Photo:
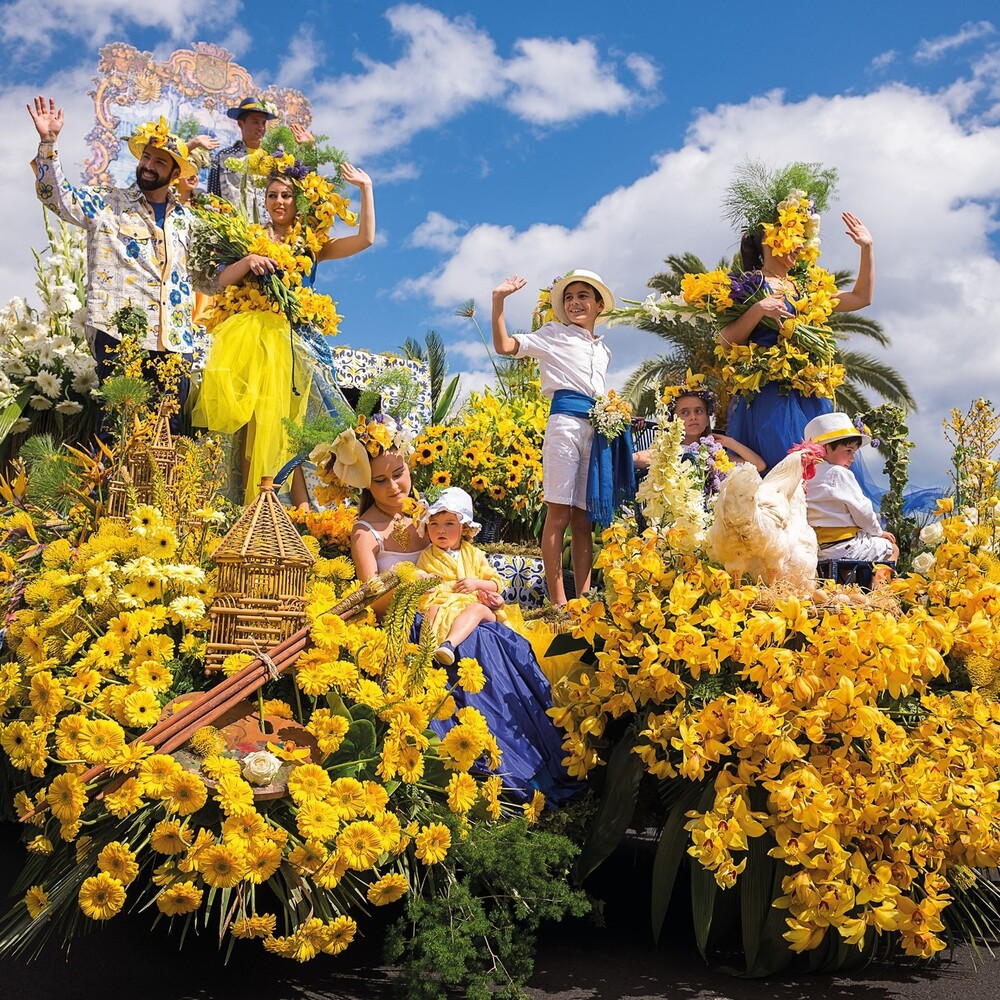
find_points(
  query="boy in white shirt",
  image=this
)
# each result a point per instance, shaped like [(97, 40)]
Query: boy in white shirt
[(573, 362), (843, 518)]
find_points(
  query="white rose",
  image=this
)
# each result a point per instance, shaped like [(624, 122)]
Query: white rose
[(931, 534), (260, 768), (923, 563)]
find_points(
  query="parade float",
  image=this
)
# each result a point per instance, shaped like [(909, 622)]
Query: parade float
[(203, 726)]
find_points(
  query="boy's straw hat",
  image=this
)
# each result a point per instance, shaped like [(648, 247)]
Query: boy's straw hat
[(588, 278), (829, 428)]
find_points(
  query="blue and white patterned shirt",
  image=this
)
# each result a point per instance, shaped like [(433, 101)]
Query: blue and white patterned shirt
[(130, 260)]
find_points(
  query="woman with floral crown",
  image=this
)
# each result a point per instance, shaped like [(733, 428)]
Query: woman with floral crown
[(270, 361), (516, 696), (778, 212)]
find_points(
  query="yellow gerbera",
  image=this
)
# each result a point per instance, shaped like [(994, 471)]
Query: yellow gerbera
[(360, 844), (101, 896), (180, 898), (387, 889)]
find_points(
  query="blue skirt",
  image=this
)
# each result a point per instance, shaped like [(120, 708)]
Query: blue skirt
[(514, 702), (772, 422)]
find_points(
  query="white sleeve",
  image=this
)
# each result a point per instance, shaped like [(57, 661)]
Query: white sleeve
[(849, 492)]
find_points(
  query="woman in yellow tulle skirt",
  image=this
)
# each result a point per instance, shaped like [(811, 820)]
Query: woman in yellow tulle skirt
[(247, 382), (259, 370)]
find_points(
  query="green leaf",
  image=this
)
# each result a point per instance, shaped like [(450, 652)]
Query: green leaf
[(669, 853), (756, 886), (773, 953), (11, 413), (358, 746), (360, 711), (703, 890), (445, 401), (337, 706), (614, 813)]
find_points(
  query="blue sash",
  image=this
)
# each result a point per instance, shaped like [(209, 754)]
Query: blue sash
[(611, 472)]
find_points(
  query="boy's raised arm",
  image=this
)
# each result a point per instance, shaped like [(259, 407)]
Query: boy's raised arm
[(503, 343)]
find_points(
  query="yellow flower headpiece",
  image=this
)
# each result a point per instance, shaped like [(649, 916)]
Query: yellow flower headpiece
[(158, 135), (347, 458), (693, 385), (783, 205), (544, 313)]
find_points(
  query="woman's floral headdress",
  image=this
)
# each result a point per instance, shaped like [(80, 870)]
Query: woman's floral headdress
[(782, 205), (342, 447), (693, 385), (317, 200)]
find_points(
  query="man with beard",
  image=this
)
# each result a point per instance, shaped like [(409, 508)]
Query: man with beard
[(137, 238)]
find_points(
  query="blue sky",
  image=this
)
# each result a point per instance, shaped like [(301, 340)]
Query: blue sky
[(535, 137)]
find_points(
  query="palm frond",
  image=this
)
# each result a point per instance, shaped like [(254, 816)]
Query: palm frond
[(863, 369)]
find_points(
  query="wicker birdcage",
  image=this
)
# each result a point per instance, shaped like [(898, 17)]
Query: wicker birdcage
[(147, 461), (260, 595)]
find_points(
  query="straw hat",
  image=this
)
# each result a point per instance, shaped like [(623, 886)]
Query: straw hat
[(588, 278), (158, 135), (249, 104)]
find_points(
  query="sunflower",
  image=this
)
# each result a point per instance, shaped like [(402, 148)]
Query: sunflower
[(338, 934), (36, 899), (66, 797), (169, 836), (118, 860), (309, 782), (142, 709), (260, 925), (441, 479)]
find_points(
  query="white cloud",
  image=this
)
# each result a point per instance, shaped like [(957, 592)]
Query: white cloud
[(396, 173), (925, 184), (883, 60), (556, 80), (37, 25), (437, 232), (22, 213), (447, 66), (305, 53), (645, 71), (930, 50)]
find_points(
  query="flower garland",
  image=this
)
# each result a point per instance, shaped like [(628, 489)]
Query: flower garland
[(713, 463), (802, 358)]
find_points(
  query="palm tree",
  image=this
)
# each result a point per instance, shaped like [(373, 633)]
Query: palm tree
[(432, 353), (692, 346)]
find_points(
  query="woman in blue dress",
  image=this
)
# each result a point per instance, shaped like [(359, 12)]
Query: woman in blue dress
[(773, 242), (517, 695)]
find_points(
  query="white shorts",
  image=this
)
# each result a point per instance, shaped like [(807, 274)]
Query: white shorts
[(862, 547), (566, 459)]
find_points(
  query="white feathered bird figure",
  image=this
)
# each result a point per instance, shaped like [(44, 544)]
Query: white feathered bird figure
[(760, 527)]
